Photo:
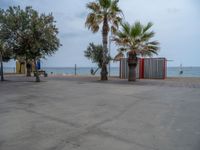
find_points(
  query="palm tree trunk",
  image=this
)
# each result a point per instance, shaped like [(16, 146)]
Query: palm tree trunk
[(132, 73), (1, 70), (104, 72), (132, 63), (37, 77)]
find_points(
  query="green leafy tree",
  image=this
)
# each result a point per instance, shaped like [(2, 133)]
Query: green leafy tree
[(105, 13), (136, 40), (5, 52), (33, 35), (17, 24), (95, 54), (5, 56)]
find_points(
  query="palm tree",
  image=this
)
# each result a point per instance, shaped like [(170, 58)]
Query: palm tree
[(136, 40), (107, 14), (95, 54)]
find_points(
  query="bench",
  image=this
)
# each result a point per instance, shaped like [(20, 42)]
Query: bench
[(41, 72)]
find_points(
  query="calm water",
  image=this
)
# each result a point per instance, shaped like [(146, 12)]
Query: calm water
[(187, 72), (171, 71)]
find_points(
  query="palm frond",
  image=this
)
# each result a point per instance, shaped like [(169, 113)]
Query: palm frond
[(105, 4), (101, 9), (126, 28), (148, 26), (136, 30), (154, 43), (114, 7), (146, 36), (135, 38), (119, 56), (113, 29), (92, 22), (122, 49), (95, 7)]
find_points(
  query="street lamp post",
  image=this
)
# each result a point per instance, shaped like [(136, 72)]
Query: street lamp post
[(109, 51), (1, 65)]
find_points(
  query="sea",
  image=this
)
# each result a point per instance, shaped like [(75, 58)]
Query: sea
[(114, 71)]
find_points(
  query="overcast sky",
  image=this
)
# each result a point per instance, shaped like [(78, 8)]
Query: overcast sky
[(176, 23)]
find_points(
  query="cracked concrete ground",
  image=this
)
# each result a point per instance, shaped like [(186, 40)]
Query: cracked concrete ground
[(85, 114)]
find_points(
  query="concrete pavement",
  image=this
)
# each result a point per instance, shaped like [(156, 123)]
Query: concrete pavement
[(84, 114)]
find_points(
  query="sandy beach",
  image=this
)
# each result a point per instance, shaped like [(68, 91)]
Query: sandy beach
[(83, 113)]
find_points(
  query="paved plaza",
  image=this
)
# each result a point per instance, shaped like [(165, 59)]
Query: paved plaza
[(83, 113)]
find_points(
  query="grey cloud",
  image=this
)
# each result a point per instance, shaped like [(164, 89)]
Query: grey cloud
[(5, 3), (169, 17), (173, 10), (82, 14), (68, 35), (72, 34)]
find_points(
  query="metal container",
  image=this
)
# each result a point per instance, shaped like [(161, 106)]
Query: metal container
[(154, 68), (147, 68)]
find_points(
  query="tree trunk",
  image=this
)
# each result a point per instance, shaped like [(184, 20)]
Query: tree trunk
[(132, 73), (1, 69), (132, 63), (37, 77), (20, 68), (104, 72), (28, 74), (28, 68)]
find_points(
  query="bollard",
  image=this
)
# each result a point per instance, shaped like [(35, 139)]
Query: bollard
[(75, 70)]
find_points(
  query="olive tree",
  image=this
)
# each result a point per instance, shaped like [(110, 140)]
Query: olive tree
[(5, 52), (33, 35)]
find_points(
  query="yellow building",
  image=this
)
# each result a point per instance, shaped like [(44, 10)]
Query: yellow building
[(21, 67)]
